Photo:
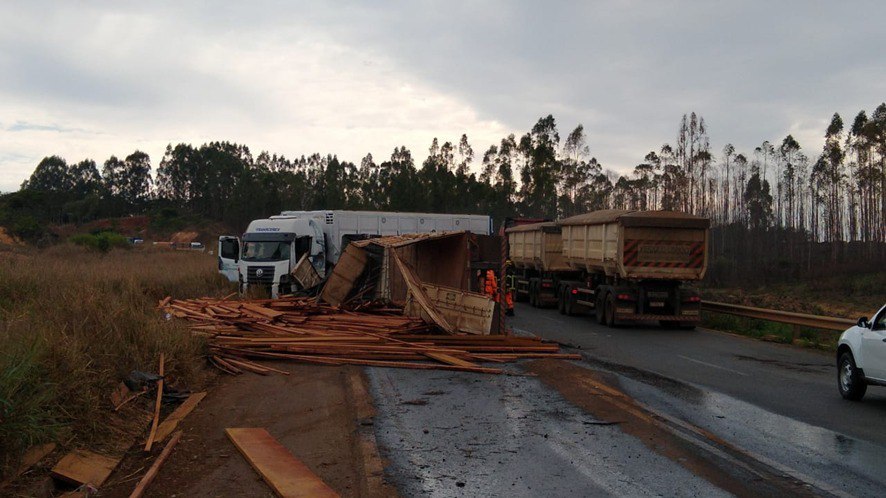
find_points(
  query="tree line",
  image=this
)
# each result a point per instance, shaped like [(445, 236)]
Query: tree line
[(833, 195)]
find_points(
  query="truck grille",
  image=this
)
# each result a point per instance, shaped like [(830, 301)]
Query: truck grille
[(260, 274)]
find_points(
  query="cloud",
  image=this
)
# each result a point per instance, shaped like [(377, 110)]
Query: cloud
[(92, 80)]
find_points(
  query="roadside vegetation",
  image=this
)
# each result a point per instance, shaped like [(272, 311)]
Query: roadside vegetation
[(74, 322), (840, 296), (771, 331)]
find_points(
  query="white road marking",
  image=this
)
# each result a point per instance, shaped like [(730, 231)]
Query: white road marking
[(713, 366)]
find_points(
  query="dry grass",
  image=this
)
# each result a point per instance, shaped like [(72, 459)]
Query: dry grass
[(73, 323)]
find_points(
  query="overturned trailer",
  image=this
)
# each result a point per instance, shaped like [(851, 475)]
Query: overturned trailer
[(431, 274)]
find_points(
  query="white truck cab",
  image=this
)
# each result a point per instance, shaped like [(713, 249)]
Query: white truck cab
[(269, 250), (861, 356)]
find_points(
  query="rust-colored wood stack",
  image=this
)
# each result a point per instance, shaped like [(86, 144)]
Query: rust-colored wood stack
[(372, 334)]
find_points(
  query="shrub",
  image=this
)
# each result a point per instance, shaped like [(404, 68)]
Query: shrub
[(101, 241)]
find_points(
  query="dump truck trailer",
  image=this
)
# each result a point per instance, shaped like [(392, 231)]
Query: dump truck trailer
[(623, 265)]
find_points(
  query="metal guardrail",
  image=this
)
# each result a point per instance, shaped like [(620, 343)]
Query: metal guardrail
[(796, 319)]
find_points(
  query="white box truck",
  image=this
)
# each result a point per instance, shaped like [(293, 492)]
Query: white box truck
[(269, 250)]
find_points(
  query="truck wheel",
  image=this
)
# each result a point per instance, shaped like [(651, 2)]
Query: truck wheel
[(561, 300), (610, 311), (520, 297), (568, 305), (600, 308), (849, 381), (533, 296)]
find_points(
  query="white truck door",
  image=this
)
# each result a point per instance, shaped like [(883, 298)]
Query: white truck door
[(228, 256), (873, 347)]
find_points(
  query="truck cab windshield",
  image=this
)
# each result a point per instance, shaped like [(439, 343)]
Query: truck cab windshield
[(265, 251)]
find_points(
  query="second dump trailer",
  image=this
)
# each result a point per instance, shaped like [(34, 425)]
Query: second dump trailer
[(624, 265)]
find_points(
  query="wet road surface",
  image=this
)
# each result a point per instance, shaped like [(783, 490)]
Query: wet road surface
[(688, 413), (799, 384), (463, 434)]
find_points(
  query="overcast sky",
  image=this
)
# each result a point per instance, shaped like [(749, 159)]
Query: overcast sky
[(95, 79)]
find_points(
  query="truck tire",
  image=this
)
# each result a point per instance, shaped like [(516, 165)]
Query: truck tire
[(561, 300), (533, 295), (568, 304), (849, 381), (521, 297), (600, 308), (610, 311)]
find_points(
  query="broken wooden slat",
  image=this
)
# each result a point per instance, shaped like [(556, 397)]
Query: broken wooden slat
[(284, 473), (84, 467), (150, 441), (172, 421), (155, 468)]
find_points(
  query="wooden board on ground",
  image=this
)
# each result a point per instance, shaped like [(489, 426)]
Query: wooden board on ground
[(84, 467), (171, 422), (284, 473), (349, 268)]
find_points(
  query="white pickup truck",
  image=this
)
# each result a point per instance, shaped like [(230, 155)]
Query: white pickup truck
[(861, 356)]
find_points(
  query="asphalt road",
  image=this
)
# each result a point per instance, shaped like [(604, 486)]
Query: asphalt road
[(777, 402), (797, 383), (463, 434)]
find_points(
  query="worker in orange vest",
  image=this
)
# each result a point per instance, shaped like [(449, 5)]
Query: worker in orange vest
[(490, 285)]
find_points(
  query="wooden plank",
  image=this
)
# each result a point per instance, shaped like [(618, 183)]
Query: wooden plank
[(84, 467), (155, 468), (449, 359), (156, 420), (284, 473), (418, 293), (176, 416), (261, 310), (305, 274), (349, 268), (252, 367)]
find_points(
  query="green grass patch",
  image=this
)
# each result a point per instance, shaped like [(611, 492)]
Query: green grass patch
[(75, 322), (771, 331)]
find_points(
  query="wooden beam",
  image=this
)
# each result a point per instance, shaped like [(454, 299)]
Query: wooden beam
[(155, 468)]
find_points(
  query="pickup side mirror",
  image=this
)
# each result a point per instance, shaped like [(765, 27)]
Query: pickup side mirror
[(863, 322)]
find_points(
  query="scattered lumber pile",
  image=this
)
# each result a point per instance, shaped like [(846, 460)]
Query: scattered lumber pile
[(371, 334)]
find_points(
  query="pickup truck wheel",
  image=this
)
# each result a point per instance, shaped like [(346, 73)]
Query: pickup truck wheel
[(849, 381), (610, 310)]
